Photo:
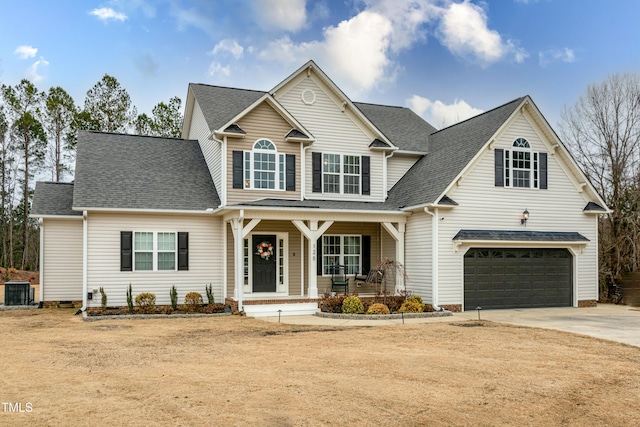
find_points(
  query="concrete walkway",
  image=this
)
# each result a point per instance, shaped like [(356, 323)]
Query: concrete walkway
[(618, 323)]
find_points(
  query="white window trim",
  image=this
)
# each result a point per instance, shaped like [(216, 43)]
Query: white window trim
[(279, 178), (342, 174), (342, 254), (534, 169), (155, 251)]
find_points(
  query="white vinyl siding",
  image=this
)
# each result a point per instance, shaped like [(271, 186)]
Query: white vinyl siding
[(205, 256), (335, 131), (418, 258), (62, 263), (397, 167), (212, 150), (483, 206)]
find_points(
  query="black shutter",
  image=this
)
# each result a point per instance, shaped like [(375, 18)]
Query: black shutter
[(316, 168), (499, 167), (319, 257), (543, 170), (366, 254), (291, 172), (366, 175), (183, 251), (126, 252), (238, 169)]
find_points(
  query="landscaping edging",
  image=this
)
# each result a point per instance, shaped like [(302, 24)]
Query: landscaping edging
[(384, 316), (87, 318)]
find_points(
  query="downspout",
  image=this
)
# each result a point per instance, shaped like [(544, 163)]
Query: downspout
[(223, 174), (41, 291), (434, 258), (384, 174), (84, 261)]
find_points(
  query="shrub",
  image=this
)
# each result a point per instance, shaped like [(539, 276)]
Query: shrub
[(415, 298), (209, 291), (173, 294), (130, 299), (377, 308), (411, 307), (103, 300), (331, 304), (146, 301), (192, 301), (352, 305)]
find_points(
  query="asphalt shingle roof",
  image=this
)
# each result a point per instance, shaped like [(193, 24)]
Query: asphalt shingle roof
[(221, 104), (404, 128), (53, 198), (520, 236), (450, 150), (141, 172)]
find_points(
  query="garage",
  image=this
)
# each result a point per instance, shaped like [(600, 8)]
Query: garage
[(496, 278)]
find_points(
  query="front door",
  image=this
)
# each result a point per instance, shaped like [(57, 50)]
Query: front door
[(264, 262)]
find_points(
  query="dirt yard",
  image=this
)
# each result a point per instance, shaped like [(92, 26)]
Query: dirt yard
[(240, 371)]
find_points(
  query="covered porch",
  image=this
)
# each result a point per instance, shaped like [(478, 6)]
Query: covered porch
[(284, 256)]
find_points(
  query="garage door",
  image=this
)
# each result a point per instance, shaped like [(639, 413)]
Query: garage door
[(517, 278)]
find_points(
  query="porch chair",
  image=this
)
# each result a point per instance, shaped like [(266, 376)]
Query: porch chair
[(339, 278)]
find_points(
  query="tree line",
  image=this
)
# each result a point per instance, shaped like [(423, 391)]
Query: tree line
[(38, 136)]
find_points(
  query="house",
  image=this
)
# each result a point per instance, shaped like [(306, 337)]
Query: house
[(268, 190)]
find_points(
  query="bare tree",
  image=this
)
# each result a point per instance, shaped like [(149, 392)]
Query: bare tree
[(603, 131)]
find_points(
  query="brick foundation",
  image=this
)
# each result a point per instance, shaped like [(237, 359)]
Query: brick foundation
[(587, 303), (456, 308)]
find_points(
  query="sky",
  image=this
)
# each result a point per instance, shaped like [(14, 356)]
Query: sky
[(446, 59)]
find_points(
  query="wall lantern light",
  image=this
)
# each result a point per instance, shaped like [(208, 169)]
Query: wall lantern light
[(524, 217)]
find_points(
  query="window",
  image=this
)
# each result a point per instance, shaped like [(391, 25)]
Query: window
[(521, 166), (340, 174), (154, 251), (341, 250), (264, 167)]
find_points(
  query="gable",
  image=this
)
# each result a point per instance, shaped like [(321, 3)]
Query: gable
[(334, 126)]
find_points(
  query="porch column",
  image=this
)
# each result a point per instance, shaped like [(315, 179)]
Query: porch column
[(312, 233), (313, 247), (240, 232), (398, 236), (238, 259)]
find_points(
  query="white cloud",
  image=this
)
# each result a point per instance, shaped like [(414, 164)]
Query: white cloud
[(228, 46), (440, 114), (355, 51), (288, 15), (34, 70), (106, 13), (556, 55), (25, 52), (217, 70), (464, 31), (192, 18)]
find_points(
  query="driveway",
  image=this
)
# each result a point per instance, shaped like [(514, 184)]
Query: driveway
[(619, 323)]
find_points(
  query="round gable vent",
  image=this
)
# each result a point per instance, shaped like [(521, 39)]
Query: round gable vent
[(308, 96)]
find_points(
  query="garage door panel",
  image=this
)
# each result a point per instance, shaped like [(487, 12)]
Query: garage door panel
[(517, 278)]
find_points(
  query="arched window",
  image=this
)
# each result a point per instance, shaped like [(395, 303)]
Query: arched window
[(521, 165), (264, 167)]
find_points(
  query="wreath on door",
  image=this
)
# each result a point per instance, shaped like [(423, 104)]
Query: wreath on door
[(265, 250)]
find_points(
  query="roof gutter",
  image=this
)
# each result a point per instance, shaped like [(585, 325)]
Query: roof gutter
[(434, 257)]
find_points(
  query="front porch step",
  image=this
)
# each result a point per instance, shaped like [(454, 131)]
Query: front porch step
[(290, 309)]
